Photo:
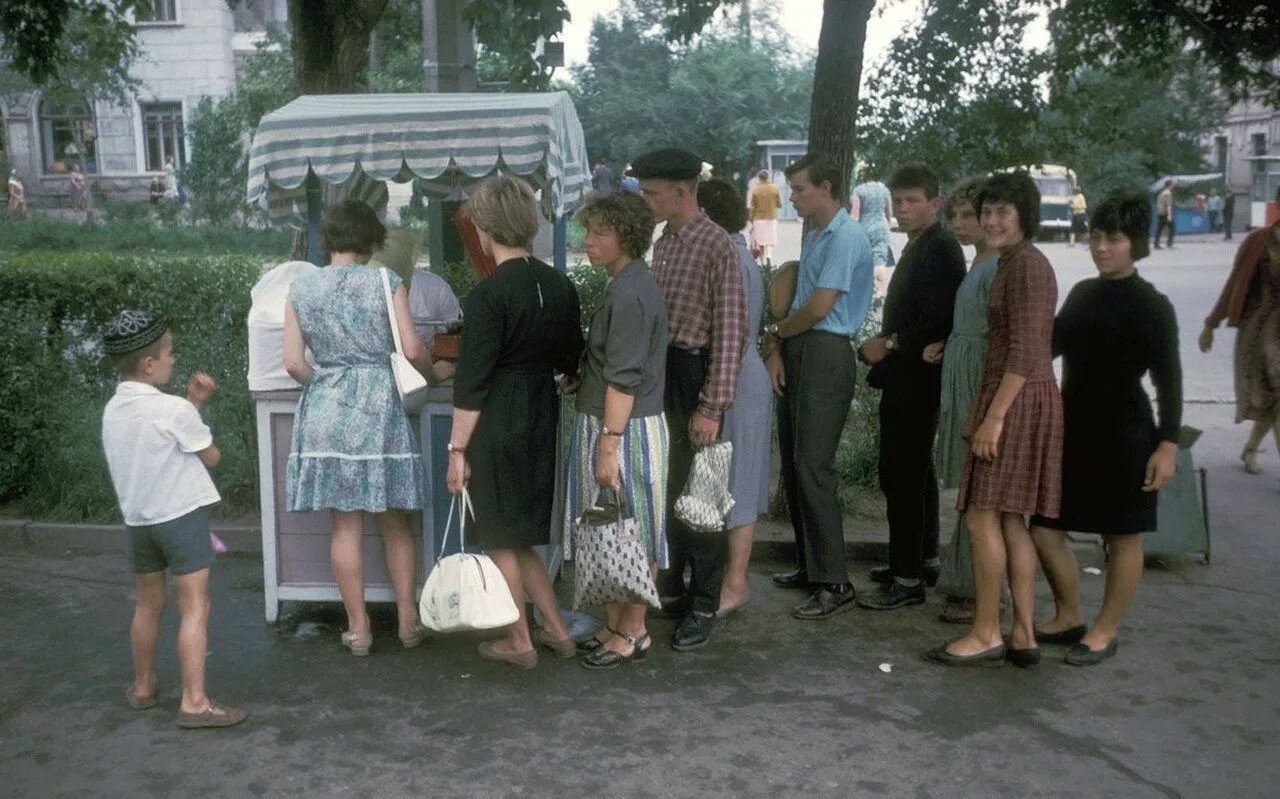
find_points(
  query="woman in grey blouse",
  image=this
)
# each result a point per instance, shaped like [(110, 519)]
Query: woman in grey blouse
[(619, 436)]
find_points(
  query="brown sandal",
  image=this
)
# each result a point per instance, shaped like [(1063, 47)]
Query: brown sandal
[(211, 718)]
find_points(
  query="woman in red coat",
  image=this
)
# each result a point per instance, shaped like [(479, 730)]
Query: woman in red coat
[(1250, 302)]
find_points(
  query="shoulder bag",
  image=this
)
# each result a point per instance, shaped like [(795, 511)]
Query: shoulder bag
[(410, 384)]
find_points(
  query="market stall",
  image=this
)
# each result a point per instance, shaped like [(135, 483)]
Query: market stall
[(352, 144)]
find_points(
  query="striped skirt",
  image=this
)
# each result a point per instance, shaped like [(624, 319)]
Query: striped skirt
[(642, 458)]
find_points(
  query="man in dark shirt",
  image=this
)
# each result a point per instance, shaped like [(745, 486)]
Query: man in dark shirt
[(918, 310), (603, 179)]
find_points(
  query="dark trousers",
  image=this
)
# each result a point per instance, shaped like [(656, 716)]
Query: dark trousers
[(1162, 223), (703, 553), (908, 424), (820, 372), (1213, 222)]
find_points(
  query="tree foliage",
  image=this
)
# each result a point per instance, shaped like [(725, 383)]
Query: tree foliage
[(53, 42), (509, 30), (639, 90)]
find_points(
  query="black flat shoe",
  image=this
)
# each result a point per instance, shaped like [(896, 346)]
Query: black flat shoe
[(882, 575), (1071, 635), (991, 658), (588, 645), (1081, 655), (796, 578), (603, 659), (1023, 658), (694, 632), (893, 595), (826, 602)]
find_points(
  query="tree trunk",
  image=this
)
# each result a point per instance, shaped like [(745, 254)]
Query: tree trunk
[(833, 114), (330, 40)]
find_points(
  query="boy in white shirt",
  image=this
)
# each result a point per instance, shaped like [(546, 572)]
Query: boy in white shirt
[(157, 450)]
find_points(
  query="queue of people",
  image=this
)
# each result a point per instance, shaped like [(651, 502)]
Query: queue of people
[(676, 357)]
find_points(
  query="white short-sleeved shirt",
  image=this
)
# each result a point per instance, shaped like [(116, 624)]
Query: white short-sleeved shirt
[(431, 300), (151, 440)]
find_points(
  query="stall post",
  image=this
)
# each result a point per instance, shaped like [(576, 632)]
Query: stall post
[(315, 213), (560, 243)]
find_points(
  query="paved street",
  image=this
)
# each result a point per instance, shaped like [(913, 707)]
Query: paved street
[(1191, 275), (1190, 706)]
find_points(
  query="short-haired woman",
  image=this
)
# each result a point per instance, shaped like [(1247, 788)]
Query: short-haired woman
[(764, 201), (747, 423), (1112, 330), (523, 325), (354, 451), (961, 356), (619, 438), (870, 204), (1014, 466)]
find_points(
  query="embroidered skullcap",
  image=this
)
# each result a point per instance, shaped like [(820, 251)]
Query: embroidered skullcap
[(132, 330), (671, 163)]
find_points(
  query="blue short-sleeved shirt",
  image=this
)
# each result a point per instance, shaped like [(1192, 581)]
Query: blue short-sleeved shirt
[(837, 257)]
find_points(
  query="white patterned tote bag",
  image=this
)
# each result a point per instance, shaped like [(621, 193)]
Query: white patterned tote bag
[(705, 502), (609, 561)]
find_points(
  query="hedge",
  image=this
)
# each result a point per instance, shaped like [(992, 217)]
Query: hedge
[(57, 382), (131, 234)]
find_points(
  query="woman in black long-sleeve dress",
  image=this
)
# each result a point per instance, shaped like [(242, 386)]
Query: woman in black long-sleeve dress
[(1112, 330), (522, 325)]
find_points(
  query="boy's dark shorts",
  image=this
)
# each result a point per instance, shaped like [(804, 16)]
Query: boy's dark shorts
[(180, 545)]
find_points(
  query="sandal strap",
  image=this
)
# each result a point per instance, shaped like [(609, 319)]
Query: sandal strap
[(635, 642)]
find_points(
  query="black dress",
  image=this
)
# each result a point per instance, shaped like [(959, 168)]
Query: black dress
[(1110, 333), (521, 326)]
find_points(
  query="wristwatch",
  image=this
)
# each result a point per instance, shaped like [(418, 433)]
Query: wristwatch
[(772, 330), (452, 448), (891, 343)]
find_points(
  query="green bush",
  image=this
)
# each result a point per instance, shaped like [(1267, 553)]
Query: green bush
[(57, 381), (132, 211), (575, 236), (125, 236)]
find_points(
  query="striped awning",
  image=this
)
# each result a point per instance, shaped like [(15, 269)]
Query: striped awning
[(445, 141)]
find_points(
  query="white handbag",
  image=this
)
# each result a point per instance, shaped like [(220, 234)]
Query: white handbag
[(705, 503), (464, 591), (410, 384)]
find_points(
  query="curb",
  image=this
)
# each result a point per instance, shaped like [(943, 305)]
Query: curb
[(109, 538)]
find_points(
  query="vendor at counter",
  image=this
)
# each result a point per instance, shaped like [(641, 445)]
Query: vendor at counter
[(432, 303)]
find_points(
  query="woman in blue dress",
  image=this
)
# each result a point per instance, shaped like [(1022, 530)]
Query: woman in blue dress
[(870, 205), (354, 451)]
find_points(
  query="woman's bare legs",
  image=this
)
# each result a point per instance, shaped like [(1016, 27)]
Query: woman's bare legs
[(1063, 574), (1258, 432), (733, 590), (1124, 572), (989, 561), (346, 556), (518, 639), (537, 584), (1022, 579), (631, 622), (402, 565)]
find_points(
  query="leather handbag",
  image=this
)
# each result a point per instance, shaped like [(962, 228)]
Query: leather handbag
[(609, 561), (410, 384), (705, 503), (465, 591)]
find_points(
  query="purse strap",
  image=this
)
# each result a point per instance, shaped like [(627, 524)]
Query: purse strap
[(464, 499), (391, 308)]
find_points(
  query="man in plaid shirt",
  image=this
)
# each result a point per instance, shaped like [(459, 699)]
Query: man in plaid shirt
[(696, 267)]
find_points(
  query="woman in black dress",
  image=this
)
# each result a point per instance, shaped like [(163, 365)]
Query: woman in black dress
[(1112, 330), (522, 325)]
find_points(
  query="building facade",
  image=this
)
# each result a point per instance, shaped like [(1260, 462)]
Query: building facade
[(189, 50), (1247, 151)]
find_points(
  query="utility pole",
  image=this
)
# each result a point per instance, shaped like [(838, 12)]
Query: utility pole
[(448, 66)]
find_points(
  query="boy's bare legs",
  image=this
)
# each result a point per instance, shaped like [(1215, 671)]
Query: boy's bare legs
[(193, 638), (346, 556), (145, 631), (402, 565)]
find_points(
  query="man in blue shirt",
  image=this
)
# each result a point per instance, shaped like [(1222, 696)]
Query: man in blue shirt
[(812, 364)]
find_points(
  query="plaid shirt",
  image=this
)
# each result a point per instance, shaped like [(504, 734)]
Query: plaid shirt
[(696, 267)]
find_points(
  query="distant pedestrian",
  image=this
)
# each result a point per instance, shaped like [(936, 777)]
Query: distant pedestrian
[(1228, 212), (1250, 302), (603, 179), (763, 206), (158, 452), (1112, 331), (629, 181), (811, 362), (1213, 207), (17, 196), (1079, 216), (75, 181), (917, 312), (156, 191), (869, 204), (1164, 213)]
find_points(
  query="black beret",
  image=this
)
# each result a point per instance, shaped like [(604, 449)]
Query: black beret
[(130, 331), (671, 163)]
